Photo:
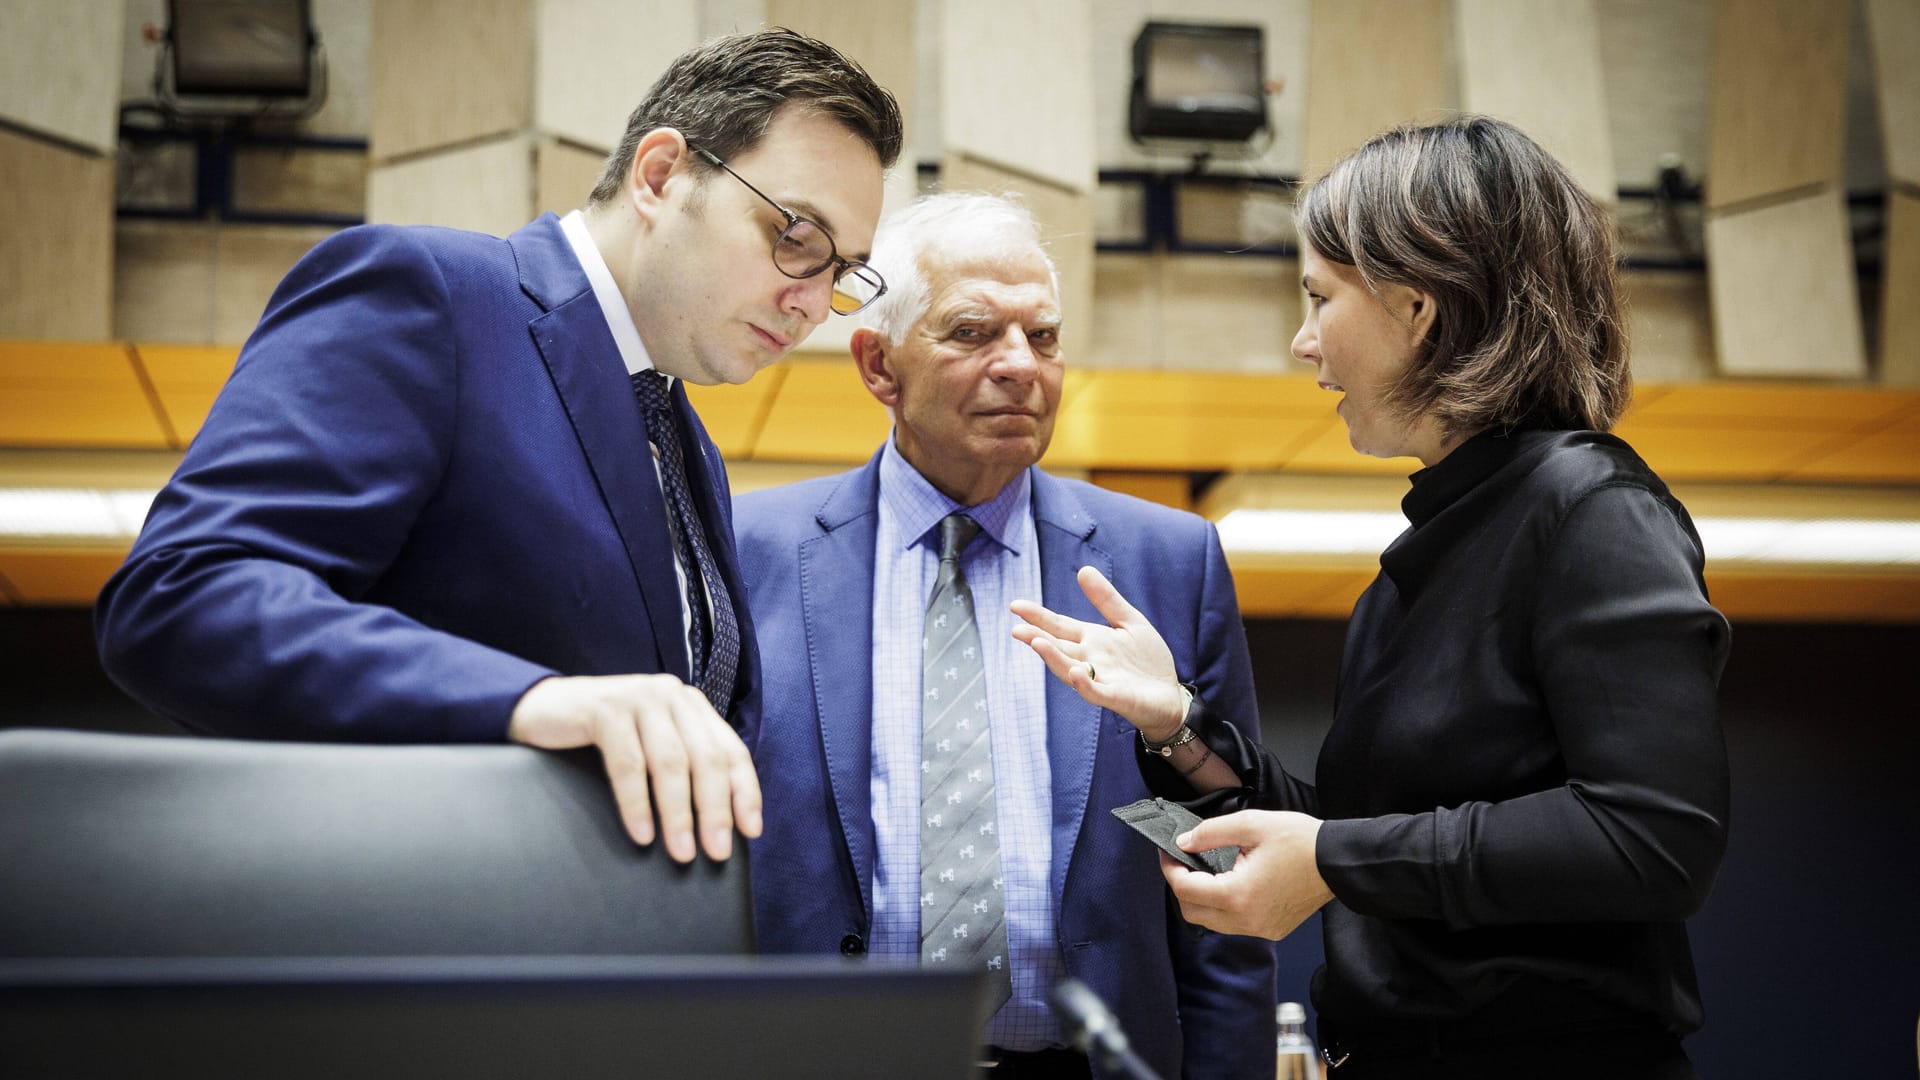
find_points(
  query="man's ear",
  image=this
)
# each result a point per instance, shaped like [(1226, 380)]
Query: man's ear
[(871, 356), (655, 159)]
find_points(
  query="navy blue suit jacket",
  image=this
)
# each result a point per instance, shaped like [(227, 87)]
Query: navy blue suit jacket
[(1196, 1002), (425, 487)]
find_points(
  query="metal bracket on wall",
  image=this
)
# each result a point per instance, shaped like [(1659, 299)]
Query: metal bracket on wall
[(213, 154)]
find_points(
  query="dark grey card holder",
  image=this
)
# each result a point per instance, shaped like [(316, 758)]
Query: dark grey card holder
[(1160, 821)]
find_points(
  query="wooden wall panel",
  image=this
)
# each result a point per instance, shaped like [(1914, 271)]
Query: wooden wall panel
[(1893, 36), (593, 61), (1372, 64), (1783, 290), (56, 243), (447, 72), (1537, 66), (1021, 101), (1213, 313), (249, 261), (1899, 290), (1669, 329), (879, 35), (60, 69), (563, 176), (1124, 331), (1066, 224), (1777, 104), (1655, 55), (163, 282), (1229, 313), (487, 187)]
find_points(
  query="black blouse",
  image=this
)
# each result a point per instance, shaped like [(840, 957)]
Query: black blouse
[(1525, 783)]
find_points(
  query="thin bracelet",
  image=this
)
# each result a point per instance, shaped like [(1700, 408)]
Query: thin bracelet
[(1180, 738), (1205, 753)]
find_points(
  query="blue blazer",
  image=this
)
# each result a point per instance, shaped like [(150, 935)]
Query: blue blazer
[(1192, 1002), (425, 487)]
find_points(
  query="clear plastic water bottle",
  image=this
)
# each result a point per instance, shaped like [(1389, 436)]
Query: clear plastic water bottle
[(1296, 1059)]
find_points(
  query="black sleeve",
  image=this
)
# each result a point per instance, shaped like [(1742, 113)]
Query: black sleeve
[(1264, 785), (1627, 654)]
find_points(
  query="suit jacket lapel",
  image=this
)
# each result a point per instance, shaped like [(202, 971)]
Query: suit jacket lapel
[(584, 363), (836, 590), (1065, 529)]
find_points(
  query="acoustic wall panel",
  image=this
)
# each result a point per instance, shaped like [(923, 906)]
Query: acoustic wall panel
[(56, 242), (879, 35), (1899, 289), (563, 175), (1125, 328), (248, 263), (163, 281), (1228, 313), (1017, 88), (448, 72), (593, 60), (1655, 56), (1669, 330), (60, 69), (1782, 286), (486, 186), (1777, 104), (1537, 66), (1893, 29), (1372, 64)]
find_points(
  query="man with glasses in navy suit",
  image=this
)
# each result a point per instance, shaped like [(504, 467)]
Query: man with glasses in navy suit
[(453, 490)]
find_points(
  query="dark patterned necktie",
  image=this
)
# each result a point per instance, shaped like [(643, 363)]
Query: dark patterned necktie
[(963, 916), (715, 633)]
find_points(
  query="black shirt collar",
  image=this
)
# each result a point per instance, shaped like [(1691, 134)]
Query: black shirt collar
[(1409, 559), (1437, 487)]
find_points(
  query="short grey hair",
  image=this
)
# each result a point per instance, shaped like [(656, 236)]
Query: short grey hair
[(930, 225)]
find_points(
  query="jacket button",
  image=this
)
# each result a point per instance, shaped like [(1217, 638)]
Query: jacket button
[(852, 945)]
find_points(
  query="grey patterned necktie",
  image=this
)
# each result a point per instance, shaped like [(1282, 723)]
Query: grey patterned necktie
[(963, 917)]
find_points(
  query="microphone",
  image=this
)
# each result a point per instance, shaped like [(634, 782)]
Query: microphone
[(1091, 1028)]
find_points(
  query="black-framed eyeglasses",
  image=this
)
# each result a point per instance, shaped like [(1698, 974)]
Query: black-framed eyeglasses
[(803, 249)]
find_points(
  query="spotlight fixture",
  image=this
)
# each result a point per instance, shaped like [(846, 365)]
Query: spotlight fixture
[(1198, 81)]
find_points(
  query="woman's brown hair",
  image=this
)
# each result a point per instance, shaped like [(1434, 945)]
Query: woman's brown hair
[(1520, 261)]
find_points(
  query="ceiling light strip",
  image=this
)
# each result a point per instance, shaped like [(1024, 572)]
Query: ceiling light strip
[(117, 514)]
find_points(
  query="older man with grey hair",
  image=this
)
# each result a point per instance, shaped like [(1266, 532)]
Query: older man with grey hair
[(931, 795)]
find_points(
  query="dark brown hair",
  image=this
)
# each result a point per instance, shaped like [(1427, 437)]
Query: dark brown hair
[(1520, 261), (723, 95)]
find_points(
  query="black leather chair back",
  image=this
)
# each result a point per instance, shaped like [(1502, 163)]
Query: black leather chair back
[(145, 846)]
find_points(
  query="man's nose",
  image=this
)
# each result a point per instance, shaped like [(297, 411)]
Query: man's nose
[(1014, 356), (810, 298)]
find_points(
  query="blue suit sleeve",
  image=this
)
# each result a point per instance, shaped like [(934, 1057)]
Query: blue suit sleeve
[(243, 607)]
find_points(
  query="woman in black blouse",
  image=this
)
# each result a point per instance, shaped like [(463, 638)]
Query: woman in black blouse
[(1524, 790)]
